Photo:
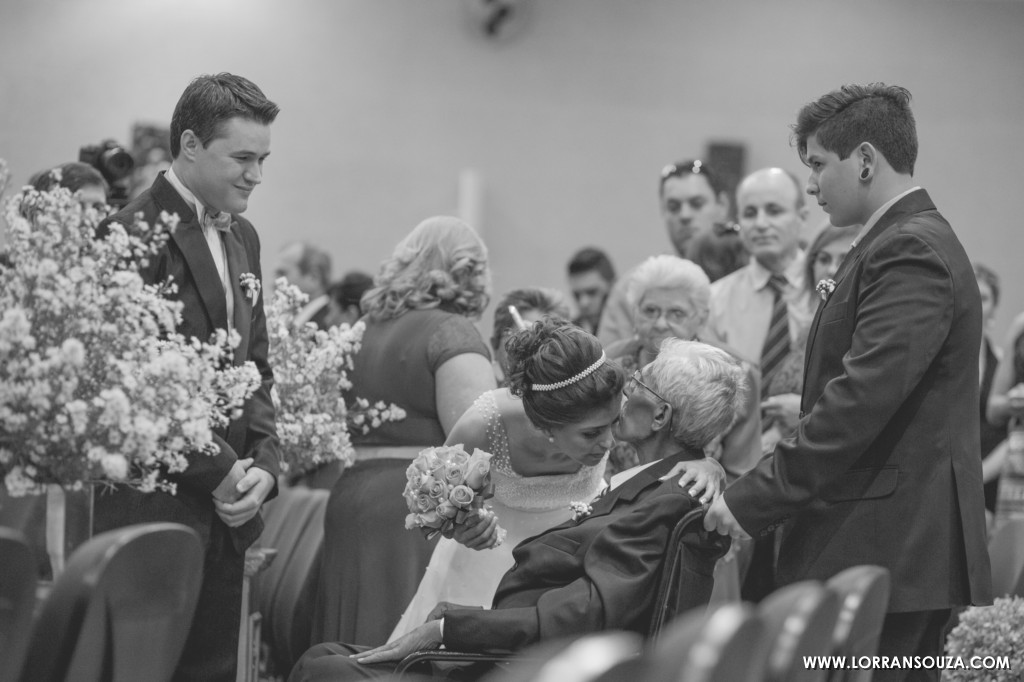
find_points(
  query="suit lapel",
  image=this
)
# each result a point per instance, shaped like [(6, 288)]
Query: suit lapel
[(238, 263), (915, 202), (628, 491), (188, 235)]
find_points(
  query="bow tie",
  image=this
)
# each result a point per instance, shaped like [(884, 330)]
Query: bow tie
[(217, 221)]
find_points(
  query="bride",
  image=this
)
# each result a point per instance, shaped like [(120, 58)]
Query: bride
[(549, 433)]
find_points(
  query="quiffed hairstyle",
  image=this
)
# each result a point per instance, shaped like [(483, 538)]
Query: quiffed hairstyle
[(589, 259), (540, 299), (441, 263), (669, 272), (551, 351), (705, 386), (210, 101), (876, 113)]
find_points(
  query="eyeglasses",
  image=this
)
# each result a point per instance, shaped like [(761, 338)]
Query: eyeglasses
[(652, 313), (635, 381)]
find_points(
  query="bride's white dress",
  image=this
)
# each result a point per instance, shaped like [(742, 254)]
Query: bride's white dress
[(525, 506)]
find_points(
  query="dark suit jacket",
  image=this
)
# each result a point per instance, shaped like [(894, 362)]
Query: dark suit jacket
[(186, 259), (884, 468), (581, 577)]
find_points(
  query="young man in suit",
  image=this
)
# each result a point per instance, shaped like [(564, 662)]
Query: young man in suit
[(220, 136), (884, 468), (599, 572)]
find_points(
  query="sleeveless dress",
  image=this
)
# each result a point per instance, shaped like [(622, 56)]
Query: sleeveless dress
[(525, 506)]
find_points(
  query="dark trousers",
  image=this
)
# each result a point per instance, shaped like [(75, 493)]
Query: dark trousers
[(915, 633)]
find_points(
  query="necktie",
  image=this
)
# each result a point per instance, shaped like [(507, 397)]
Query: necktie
[(218, 221), (776, 344)]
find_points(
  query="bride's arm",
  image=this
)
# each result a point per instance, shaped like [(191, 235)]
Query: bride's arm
[(706, 478), (470, 431)]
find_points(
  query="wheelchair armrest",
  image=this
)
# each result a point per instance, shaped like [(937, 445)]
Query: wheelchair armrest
[(447, 656)]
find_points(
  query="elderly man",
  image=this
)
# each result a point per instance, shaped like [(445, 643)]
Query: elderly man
[(599, 572), (308, 268)]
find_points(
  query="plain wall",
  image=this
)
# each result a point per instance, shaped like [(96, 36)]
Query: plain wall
[(566, 122)]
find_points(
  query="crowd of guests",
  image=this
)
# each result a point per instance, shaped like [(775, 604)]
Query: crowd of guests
[(693, 373)]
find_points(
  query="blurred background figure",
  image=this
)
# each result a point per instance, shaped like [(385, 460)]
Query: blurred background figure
[(591, 277), (345, 296), (422, 352), (85, 182), (532, 304), (695, 207), (115, 164), (308, 268), (780, 410), (1001, 369)]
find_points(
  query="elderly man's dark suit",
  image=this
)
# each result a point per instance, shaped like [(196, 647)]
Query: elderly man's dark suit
[(187, 261), (884, 468), (596, 574)]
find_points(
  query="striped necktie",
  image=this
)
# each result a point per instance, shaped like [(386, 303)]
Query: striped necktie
[(776, 344)]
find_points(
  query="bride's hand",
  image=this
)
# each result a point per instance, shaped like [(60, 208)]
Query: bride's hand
[(706, 476), (479, 532)]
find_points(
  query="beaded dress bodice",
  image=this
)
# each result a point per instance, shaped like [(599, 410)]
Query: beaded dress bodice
[(531, 493)]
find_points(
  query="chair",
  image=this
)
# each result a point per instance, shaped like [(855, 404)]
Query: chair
[(17, 600), (708, 645), (690, 556), (122, 609), (1006, 552), (863, 593), (294, 526), (799, 620)]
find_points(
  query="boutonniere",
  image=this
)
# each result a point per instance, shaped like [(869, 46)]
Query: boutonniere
[(251, 286), (825, 288), (580, 510)]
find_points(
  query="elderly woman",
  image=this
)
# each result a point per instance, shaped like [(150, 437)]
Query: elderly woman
[(422, 352), (670, 296)]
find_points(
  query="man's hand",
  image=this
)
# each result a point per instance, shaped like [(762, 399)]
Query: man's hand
[(478, 532), (784, 409), (426, 636), (252, 490), (706, 476), (720, 519)]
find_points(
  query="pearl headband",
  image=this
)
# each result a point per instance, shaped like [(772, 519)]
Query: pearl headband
[(571, 380)]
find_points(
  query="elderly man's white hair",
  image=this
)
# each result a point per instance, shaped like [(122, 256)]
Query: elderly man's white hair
[(706, 387), (669, 272)]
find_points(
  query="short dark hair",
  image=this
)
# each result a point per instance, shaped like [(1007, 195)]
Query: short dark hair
[(73, 175), (211, 100), (349, 290), (550, 351), (692, 167), (876, 113), (590, 258), (539, 299), (985, 274)]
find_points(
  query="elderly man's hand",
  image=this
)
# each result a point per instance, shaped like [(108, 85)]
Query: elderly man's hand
[(426, 636), (719, 519)]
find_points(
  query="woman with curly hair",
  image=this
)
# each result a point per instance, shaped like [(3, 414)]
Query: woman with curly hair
[(422, 352)]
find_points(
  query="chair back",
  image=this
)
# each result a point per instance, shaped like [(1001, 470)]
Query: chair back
[(17, 600), (1006, 552), (122, 609), (863, 593), (687, 576), (799, 621), (708, 645), (294, 526)]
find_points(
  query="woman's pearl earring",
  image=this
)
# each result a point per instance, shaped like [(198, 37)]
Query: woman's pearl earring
[(551, 439)]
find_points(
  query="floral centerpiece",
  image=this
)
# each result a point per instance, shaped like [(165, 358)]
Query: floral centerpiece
[(311, 369), (985, 639), (445, 487), (95, 383)]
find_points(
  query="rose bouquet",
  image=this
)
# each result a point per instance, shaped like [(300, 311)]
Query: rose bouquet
[(445, 487), (311, 369), (95, 383)]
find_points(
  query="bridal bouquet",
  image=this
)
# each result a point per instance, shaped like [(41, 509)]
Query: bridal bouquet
[(95, 383), (311, 369), (445, 487)]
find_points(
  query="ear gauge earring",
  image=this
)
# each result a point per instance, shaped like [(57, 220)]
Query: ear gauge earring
[(864, 174)]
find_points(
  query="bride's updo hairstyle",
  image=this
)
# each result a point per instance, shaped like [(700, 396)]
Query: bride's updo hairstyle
[(560, 372)]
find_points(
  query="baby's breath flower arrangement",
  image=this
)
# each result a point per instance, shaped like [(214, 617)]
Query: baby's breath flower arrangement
[(995, 631), (95, 384), (311, 369)]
